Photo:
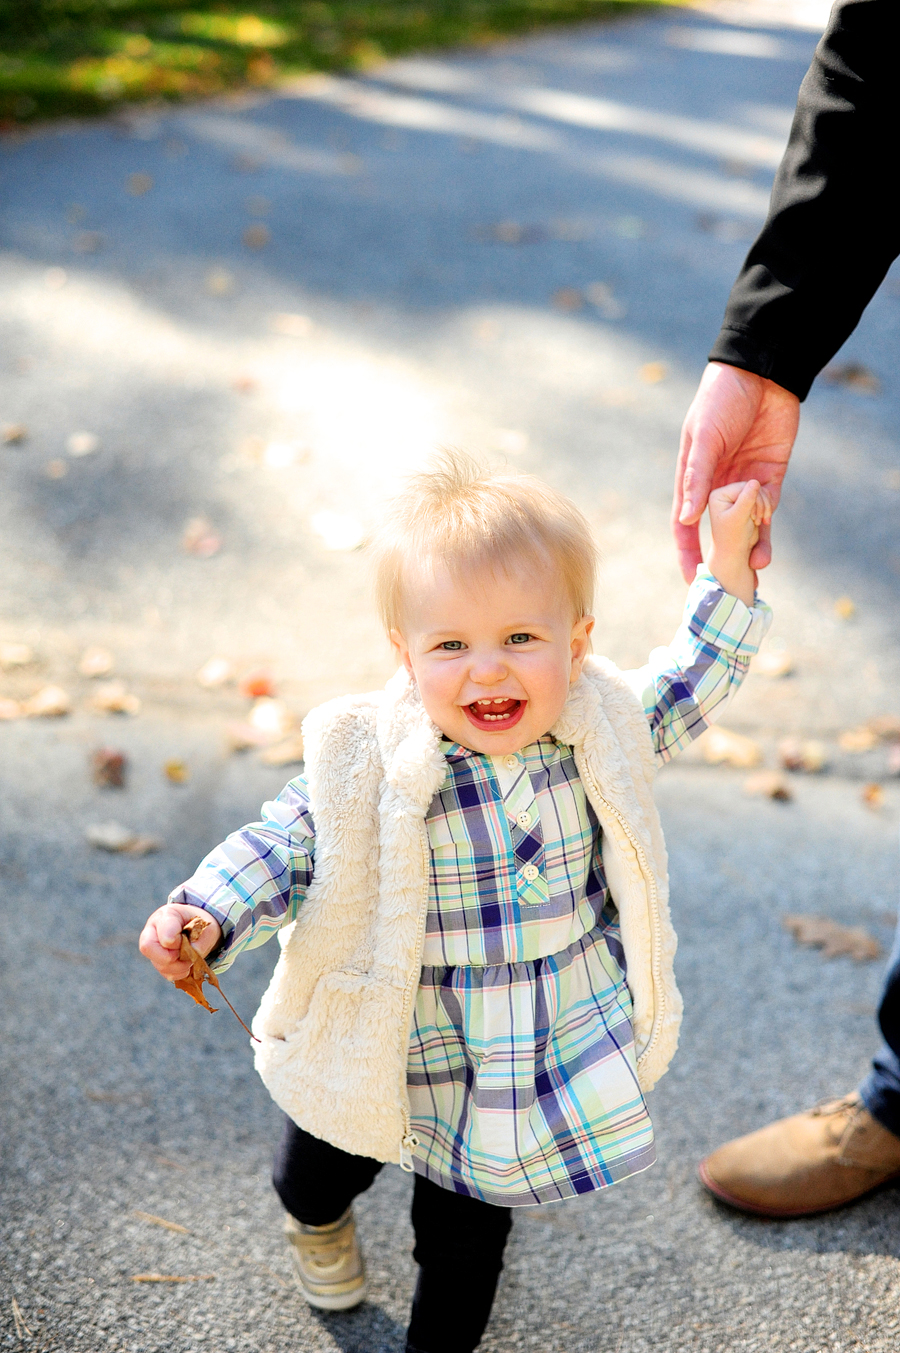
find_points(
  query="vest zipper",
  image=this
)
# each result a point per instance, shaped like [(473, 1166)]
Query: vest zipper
[(409, 1141), (659, 996)]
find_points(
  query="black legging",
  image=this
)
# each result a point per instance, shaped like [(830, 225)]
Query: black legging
[(459, 1240)]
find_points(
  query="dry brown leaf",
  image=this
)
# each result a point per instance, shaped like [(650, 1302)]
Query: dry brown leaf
[(161, 1221), (50, 702), (853, 376), (119, 840), (201, 971), (113, 697), (834, 939), (857, 739), (96, 662), (257, 684), (14, 433), (172, 1278), (215, 672), (15, 655), (176, 772), (768, 784), (873, 796), (256, 236), (721, 746), (284, 753), (200, 539), (108, 768), (802, 754)]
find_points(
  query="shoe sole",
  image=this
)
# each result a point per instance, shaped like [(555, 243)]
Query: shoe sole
[(344, 1301), (779, 1213)]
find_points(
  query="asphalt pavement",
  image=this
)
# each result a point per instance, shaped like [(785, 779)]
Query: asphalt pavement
[(226, 331)]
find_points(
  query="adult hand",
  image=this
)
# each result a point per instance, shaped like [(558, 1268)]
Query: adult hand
[(740, 426)]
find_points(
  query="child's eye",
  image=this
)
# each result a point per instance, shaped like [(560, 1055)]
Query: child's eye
[(519, 638), (451, 645)]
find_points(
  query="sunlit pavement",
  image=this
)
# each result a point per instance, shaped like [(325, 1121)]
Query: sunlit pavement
[(265, 311)]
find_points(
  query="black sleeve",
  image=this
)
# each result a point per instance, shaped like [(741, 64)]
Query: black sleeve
[(831, 233)]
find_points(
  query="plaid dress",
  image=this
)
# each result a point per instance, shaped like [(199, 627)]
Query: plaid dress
[(521, 1072)]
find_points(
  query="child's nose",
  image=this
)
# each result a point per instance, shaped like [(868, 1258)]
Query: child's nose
[(487, 669)]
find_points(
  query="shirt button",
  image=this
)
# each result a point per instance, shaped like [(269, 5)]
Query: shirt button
[(524, 819), (530, 872), (512, 762)]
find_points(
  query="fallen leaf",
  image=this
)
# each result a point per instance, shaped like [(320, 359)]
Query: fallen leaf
[(138, 184), (721, 746), (82, 444), (651, 373), (87, 242), (14, 433), (284, 753), (873, 796), (884, 726), (256, 236), (804, 755), (291, 326), (200, 539), (113, 697), (834, 939), (15, 655), (861, 739), (161, 1221), (853, 376), (119, 840), (338, 530), (19, 1320), (215, 672), (96, 662), (768, 784), (568, 299), (50, 702), (772, 663), (10, 709), (201, 972), (108, 768), (257, 684), (172, 1278), (56, 469), (844, 608), (219, 282), (176, 772)]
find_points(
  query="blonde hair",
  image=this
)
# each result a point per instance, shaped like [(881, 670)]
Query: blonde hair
[(467, 517)]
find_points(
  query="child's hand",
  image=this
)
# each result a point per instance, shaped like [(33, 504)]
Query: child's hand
[(736, 513), (161, 938)]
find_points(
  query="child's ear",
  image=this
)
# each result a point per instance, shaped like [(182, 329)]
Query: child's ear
[(401, 648), (581, 645)]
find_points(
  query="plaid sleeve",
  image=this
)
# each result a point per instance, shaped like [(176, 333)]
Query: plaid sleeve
[(255, 881), (686, 686)]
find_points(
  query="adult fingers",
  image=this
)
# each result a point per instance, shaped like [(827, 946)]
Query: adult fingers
[(687, 544)]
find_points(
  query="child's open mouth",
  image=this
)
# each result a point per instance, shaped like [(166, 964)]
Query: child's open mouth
[(496, 714)]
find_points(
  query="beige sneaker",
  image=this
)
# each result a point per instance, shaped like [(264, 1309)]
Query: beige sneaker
[(327, 1262), (811, 1162)]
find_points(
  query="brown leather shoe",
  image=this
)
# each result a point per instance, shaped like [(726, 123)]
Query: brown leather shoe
[(809, 1163)]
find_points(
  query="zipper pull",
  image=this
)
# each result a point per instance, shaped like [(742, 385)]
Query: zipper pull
[(408, 1144)]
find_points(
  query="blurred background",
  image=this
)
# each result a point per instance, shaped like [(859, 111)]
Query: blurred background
[(256, 265)]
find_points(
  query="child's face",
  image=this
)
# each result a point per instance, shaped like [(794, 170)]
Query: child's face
[(493, 655)]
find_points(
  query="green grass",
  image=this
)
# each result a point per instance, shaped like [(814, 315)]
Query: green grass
[(63, 57)]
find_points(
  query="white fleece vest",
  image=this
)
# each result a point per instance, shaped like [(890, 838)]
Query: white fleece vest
[(334, 1024)]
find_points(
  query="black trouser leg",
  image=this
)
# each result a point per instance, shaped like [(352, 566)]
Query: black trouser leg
[(459, 1247), (316, 1181)]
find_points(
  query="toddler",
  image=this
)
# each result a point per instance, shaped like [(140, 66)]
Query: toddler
[(469, 886)]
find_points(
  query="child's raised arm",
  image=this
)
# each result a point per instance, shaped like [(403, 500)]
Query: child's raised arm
[(736, 513)]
